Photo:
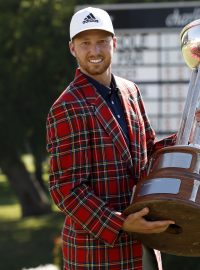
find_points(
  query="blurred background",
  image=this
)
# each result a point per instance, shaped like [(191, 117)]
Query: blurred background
[(35, 68)]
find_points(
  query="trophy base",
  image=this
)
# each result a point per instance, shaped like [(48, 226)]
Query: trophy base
[(171, 192), (181, 238)]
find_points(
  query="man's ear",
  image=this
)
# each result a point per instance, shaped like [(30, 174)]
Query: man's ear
[(114, 42), (71, 47)]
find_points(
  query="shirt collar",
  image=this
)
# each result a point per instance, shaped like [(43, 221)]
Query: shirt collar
[(104, 90)]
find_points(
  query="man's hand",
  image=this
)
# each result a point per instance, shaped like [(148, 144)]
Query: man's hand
[(138, 224)]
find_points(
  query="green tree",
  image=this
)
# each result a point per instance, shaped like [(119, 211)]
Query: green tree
[(33, 73)]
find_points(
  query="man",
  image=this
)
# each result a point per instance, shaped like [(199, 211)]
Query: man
[(99, 139)]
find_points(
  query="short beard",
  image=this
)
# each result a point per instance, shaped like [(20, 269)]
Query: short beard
[(95, 70)]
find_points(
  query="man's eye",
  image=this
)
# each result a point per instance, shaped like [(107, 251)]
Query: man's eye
[(85, 44), (103, 42)]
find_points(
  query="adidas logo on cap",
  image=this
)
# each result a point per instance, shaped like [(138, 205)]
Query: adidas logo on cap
[(90, 18)]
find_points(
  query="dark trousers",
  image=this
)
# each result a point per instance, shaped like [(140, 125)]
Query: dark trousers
[(149, 261)]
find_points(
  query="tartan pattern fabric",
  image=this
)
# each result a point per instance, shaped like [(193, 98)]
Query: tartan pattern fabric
[(92, 173)]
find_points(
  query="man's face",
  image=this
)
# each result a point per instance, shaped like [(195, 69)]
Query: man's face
[(93, 50)]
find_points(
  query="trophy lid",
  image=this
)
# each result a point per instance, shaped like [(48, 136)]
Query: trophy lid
[(190, 43)]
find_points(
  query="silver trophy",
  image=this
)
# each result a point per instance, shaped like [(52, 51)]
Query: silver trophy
[(171, 189)]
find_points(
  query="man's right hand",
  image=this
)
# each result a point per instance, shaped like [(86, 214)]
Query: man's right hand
[(136, 223)]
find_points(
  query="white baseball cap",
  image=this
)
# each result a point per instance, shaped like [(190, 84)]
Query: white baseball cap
[(90, 18)]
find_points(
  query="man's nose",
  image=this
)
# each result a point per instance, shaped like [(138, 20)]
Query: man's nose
[(95, 48)]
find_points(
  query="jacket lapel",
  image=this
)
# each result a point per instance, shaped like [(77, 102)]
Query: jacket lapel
[(129, 102), (112, 127), (105, 117), (131, 117)]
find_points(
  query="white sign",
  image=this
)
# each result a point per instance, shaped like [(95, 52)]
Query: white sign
[(154, 61)]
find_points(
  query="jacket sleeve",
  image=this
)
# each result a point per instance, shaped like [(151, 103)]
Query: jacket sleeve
[(70, 166)]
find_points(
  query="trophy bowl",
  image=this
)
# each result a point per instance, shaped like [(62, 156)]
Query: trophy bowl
[(171, 188), (190, 43)]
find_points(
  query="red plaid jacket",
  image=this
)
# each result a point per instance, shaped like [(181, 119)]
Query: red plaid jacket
[(93, 172)]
